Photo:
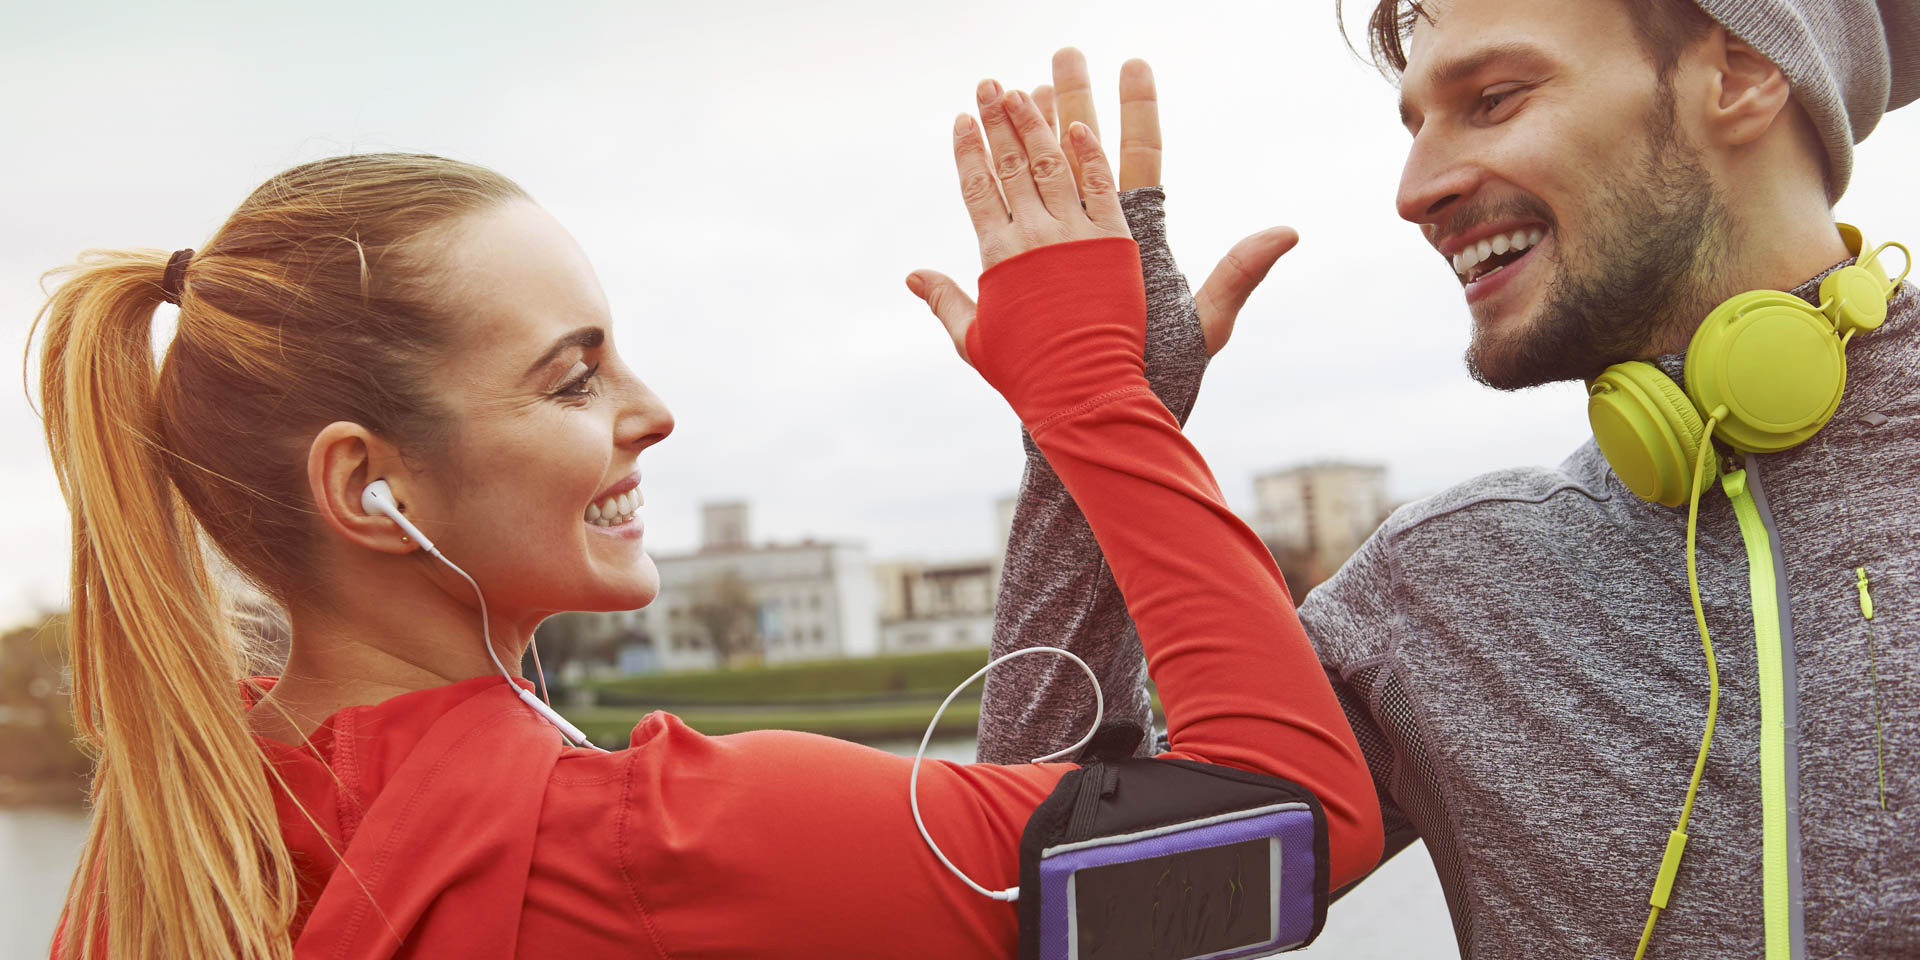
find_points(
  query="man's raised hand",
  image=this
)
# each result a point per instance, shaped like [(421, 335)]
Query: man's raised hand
[(1070, 99)]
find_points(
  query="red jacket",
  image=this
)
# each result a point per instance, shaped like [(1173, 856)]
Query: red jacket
[(472, 832)]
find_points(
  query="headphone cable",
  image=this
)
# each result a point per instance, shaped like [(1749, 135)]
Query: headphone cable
[(1677, 840)]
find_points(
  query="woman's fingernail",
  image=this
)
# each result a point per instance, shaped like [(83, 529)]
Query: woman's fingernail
[(987, 92), (1017, 98), (963, 125)]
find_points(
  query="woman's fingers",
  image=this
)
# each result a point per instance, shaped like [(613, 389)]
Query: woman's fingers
[(1043, 98), (948, 302), (1073, 95), (978, 186), (1046, 163), (1009, 154), (1139, 126), (1096, 182)]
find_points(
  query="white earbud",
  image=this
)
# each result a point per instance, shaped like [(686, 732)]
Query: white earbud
[(378, 498)]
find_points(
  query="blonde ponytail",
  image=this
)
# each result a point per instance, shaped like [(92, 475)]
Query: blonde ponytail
[(184, 857), (314, 302)]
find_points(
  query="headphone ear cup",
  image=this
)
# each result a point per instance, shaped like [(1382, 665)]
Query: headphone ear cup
[(1648, 430), (1773, 362), (1856, 299)]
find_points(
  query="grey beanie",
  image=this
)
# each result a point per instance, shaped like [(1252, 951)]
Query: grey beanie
[(1848, 61)]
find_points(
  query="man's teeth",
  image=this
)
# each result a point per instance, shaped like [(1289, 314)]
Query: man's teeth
[(1476, 253), (614, 511)]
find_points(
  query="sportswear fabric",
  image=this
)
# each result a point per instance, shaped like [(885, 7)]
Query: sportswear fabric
[(469, 830), (1848, 62), (1519, 660)]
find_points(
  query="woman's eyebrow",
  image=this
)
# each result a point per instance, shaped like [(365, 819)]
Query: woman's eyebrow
[(588, 337)]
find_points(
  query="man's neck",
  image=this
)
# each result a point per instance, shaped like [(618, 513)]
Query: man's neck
[(1775, 252)]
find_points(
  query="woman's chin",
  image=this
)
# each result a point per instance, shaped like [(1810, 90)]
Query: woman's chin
[(630, 588)]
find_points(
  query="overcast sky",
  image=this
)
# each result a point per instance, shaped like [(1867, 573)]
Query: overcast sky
[(753, 181)]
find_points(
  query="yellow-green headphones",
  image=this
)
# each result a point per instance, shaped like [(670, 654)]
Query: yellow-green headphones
[(1764, 372), (1765, 366)]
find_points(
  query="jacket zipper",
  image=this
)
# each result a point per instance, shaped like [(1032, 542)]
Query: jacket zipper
[(1873, 679), (1776, 863)]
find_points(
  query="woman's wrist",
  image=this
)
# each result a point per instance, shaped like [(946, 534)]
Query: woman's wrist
[(1061, 325)]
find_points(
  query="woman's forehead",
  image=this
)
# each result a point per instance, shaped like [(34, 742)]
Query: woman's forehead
[(517, 280)]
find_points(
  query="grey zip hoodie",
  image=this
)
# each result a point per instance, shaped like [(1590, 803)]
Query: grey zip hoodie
[(1518, 657)]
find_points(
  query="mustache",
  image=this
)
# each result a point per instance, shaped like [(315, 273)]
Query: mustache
[(1490, 211)]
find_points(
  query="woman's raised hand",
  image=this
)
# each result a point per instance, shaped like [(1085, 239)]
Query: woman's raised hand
[(1021, 193)]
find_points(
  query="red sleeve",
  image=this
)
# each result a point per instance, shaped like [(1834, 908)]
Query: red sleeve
[(776, 844), (1059, 333)]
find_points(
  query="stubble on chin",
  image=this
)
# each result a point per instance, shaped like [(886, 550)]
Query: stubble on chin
[(1635, 287)]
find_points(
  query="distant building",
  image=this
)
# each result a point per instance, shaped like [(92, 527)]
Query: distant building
[(925, 606), (771, 602), (1320, 513)]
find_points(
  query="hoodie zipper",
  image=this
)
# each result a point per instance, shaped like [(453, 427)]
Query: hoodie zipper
[(1873, 679)]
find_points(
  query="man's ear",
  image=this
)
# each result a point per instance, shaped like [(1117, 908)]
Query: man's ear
[(1748, 93), (343, 458)]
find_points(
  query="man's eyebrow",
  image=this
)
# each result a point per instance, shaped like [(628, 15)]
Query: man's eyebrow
[(588, 337), (1453, 71)]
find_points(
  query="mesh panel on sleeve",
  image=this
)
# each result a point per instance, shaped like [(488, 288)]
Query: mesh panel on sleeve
[(1396, 753)]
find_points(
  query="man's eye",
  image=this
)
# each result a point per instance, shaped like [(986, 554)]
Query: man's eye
[(1493, 99)]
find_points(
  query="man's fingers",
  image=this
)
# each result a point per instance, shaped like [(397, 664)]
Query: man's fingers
[(948, 302), (1139, 126), (1043, 98), (1073, 89), (1073, 97), (1238, 273), (978, 186)]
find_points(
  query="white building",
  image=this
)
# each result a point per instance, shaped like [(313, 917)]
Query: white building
[(1322, 510), (784, 602), (925, 606)]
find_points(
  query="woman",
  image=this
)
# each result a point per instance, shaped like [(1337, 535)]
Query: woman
[(418, 321)]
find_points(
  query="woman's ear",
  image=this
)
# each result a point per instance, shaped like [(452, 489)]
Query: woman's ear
[(1749, 91), (343, 458)]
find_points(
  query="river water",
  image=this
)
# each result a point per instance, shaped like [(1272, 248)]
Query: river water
[(1398, 912)]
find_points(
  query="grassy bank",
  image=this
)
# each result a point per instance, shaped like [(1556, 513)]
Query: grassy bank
[(866, 723), (881, 678), (866, 698)]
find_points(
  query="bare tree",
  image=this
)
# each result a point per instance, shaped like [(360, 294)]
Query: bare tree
[(727, 617), (567, 637)]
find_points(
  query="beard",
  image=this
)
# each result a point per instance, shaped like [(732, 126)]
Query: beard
[(1653, 248)]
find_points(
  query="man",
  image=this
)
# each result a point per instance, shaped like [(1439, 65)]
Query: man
[(1518, 654)]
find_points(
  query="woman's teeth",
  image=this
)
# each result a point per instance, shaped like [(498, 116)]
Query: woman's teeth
[(1475, 255), (614, 511)]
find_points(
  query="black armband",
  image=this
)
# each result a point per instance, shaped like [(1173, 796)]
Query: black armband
[(1171, 860)]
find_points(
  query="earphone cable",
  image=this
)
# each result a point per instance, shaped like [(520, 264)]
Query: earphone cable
[(486, 634), (913, 780), (1677, 840)]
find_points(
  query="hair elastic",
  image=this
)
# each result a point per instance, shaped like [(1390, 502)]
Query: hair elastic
[(175, 276)]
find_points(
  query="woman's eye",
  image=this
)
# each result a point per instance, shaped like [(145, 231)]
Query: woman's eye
[(579, 386)]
